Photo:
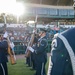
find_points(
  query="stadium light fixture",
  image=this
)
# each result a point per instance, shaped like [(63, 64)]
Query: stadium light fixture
[(19, 9)]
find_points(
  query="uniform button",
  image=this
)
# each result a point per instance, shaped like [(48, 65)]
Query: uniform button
[(66, 59), (62, 55)]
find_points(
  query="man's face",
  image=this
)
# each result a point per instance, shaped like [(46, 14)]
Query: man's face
[(40, 33)]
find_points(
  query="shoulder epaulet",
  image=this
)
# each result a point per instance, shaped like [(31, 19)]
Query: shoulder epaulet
[(56, 35), (45, 41)]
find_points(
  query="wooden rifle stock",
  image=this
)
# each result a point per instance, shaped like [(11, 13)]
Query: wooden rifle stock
[(10, 52), (11, 55), (28, 52)]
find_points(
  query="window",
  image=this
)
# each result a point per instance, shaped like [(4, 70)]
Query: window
[(70, 12), (63, 12), (53, 11)]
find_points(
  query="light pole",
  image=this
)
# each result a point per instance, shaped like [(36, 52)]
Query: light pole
[(36, 20), (4, 16)]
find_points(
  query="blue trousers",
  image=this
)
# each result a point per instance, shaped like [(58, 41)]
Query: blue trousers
[(3, 68), (40, 68)]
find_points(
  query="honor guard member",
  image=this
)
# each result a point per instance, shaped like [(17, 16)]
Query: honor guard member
[(62, 61), (3, 56), (40, 51), (33, 55)]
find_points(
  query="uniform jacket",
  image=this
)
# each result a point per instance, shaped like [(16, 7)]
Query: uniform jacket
[(3, 51), (60, 61), (40, 49)]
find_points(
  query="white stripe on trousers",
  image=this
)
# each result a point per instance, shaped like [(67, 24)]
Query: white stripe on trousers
[(49, 67), (42, 69), (3, 69)]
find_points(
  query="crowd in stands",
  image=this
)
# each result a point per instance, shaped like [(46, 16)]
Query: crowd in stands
[(22, 35)]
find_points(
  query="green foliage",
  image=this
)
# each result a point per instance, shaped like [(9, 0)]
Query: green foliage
[(20, 68)]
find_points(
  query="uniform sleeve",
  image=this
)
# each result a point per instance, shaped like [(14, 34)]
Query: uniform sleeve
[(54, 50), (57, 57), (42, 46), (3, 44), (53, 58)]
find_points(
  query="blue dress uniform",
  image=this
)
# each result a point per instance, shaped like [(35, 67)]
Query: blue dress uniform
[(40, 53), (33, 55), (3, 57), (41, 56), (61, 59)]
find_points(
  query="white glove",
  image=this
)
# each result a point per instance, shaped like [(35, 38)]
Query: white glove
[(31, 49)]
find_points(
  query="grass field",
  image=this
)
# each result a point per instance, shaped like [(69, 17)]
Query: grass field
[(20, 68)]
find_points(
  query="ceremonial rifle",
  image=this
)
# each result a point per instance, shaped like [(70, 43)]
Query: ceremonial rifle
[(28, 52), (10, 52)]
